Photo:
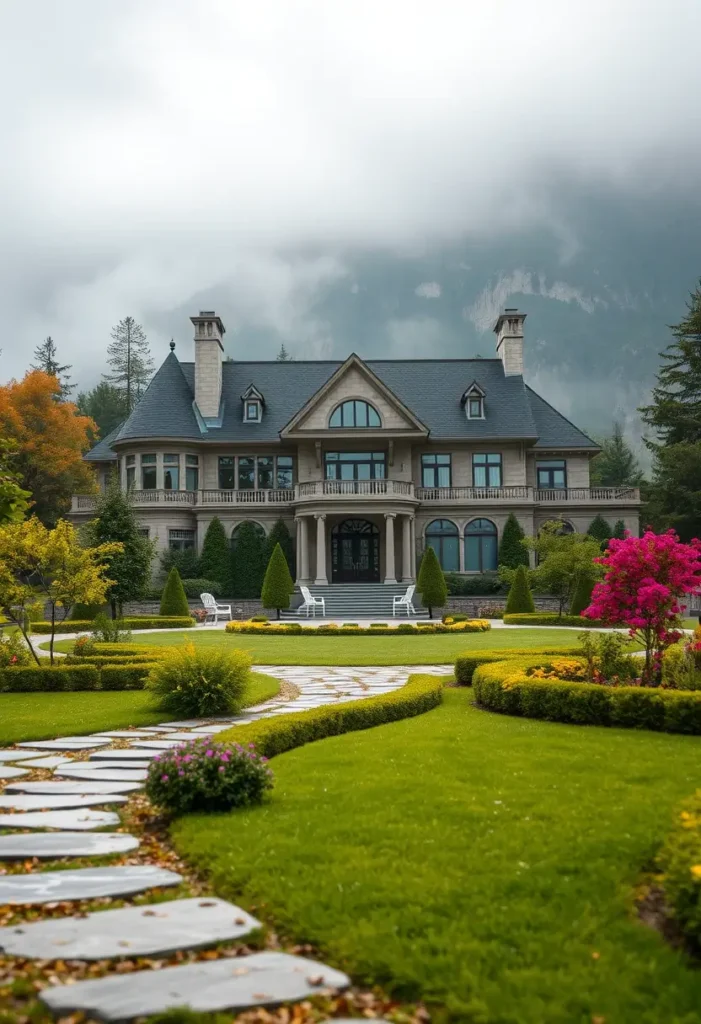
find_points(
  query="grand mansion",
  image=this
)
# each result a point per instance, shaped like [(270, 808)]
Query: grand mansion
[(368, 461)]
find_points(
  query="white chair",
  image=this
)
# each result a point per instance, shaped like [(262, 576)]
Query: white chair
[(312, 602), (405, 601), (212, 608)]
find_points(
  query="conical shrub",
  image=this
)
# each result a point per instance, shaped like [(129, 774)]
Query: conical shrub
[(215, 559), (581, 597), (431, 582), (278, 583), (512, 552), (520, 599), (173, 598)]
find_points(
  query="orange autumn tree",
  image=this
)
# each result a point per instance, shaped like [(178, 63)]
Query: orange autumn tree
[(50, 437)]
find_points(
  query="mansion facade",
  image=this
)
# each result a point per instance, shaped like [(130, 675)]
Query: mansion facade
[(367, 461)]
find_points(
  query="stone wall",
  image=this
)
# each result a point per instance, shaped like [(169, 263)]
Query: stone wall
[(474, 605), (240, 608)]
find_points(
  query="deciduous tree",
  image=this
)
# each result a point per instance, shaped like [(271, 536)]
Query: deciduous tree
[(130, 358), (14, 501), (564, 559)]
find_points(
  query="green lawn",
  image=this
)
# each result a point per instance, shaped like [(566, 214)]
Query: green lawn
[(438, 649), (40, 716), (481, 862)]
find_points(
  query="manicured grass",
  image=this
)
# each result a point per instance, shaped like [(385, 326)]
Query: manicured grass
[(359, 650), (39, 716), (483, 863)]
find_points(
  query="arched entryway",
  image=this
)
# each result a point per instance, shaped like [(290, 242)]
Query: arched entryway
[(355, 552)]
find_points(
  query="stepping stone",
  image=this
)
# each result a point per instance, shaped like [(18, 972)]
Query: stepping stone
[(68, 744), (52, 786), (65, 820), (47, 762), (65, 844), (118, 763), (117, 755), (103, 774), (156, 930), (190, 724), (125, 734), (185, 737), (84, 883), (156, 744), (45, 802), (261, 979), (15, 755), (8, 772)]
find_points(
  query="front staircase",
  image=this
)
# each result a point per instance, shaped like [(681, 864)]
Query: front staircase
[(353, 601)]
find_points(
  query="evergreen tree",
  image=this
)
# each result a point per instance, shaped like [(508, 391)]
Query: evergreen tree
[(619, 529), (105, 405), (283, 355), (615, 465), (581, 597), (215, 558), (599, 529), (512, 552), (281, 535), (130, 358), (431, 582), (520, 599), (46, 356), (115, 520), (248, 558), (278, 583), (173, 598)]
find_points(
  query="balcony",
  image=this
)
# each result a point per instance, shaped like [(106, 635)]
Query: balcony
[(274, 496), (86, 503), (355, 488), (476, 495), (529, 495), (588, 496)]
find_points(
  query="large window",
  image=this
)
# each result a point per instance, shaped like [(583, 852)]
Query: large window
[(181, 540), (285, 472), (486, 470), (131, 471), (355, 465), (256, 472), (442, 535), (171, 472), (149, 472), (227, 473), (552, 474), (192, 472), (481, 546), (355, 414), (435, 471)]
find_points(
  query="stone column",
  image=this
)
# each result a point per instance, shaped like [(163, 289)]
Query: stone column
[(412, 563), (461, 549), (390, 575), (321, 580), (407, 566), (303, 549)]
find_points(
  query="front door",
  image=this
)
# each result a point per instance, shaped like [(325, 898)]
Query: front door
[(355, 552)]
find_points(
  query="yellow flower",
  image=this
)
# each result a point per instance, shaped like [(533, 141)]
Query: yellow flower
[(696, 872)]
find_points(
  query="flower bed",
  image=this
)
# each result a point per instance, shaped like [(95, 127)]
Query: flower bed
[(134, 623), (550, 619), (467, 662), (403, 628), (680, 864)]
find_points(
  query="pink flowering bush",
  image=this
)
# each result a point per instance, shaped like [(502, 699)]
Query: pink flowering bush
[(645, 579), (202, 775)]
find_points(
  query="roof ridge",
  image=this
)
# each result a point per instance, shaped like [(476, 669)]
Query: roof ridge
[(561, 416)]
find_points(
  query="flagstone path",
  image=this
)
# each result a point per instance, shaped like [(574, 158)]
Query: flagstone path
[(99, 773)]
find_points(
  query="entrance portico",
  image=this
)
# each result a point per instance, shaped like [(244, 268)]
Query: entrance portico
[(355, 547)]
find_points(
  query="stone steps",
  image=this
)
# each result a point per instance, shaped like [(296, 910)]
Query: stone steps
[(353, 601)]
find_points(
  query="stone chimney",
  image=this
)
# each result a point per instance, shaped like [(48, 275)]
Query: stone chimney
[(509, 332), (209, 331)]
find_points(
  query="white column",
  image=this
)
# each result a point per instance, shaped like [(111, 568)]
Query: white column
[(390, 575), (303, 550), (321, 580), (412, 563), (407, 567), (461, 547)]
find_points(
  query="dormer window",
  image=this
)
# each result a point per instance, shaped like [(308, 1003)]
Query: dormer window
[(253, 412), (473, 400), (253, 403)]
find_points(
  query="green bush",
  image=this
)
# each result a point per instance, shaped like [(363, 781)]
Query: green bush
[(278, 585), (85, 612), (273, 736), (280, 535), (512, 552), (186, 562), (203, 775), (679, 668), (481, 585), (260, 618), (248, 561), (173, 599), (200, 682), (550, 619), (599, 529), (215, 560), (619, 530), (109, 659), (109, 631), (680, 864), (467, 662), (194, 587), (333, 629), (520, 599), (125, 677), (13, 650), (431, 582), (581, 598), (133, 623), (39, 679)]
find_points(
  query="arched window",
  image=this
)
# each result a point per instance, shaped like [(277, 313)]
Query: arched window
[(257, 530), (442, 535), (566, 528), (355, 414), (481, 546)]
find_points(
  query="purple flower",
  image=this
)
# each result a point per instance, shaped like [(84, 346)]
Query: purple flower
[(164, 778), (181, 773), (210, 753), (222, 769)]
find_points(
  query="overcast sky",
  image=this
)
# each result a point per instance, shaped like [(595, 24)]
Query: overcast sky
[(154, 150)]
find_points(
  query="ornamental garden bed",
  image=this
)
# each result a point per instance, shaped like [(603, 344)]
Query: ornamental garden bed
[(352, 629), (551, 619)]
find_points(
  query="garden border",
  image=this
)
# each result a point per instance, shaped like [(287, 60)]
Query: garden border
[(331, 629)]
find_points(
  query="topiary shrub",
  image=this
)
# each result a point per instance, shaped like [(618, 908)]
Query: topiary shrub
[(278, 585), (281, 535), (197, 682), (512, 552), (599, 529), (581, 598), (173, 599), (520, 598), (206, 776), (215, 559), (431, 582), (247, 560)]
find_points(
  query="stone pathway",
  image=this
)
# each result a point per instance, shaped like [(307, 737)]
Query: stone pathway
[(89, 771)]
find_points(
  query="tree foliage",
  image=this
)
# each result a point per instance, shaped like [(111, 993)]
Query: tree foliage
[(616, 464), (564, 559), (248, 560), (46, 356), (599, 529), (50, 438), (129, 568), (105, 405), (130, 358), (512, 551), (581, 598), (14, 501), (278, 583), (173, 598), (520, 598), (619, 529), (281, 535), (215, 557), (431, 582), (283, 355)]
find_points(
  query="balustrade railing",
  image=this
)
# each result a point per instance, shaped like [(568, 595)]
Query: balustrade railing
[(365, 488), (474, 493)]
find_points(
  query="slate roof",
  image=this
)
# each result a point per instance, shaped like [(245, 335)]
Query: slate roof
[(102, 452), (431, 388)]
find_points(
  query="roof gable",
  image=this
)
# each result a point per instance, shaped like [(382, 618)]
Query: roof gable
[(166, 409)]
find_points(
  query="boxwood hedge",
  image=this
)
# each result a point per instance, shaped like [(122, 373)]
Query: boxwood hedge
[(44, 679), (134, 623), (467, 662), (550, 619)]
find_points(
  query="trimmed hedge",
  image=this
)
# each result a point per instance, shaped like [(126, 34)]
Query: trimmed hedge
[(73, 677), (551, 619), (273, 736), (680, 863), (108, 659), (505, 687), (466, 663), (296, 628), (135, 623), (125, 677)]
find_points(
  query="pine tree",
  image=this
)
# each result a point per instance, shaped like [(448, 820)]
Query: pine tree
[(283, 355), (248, 558), (173, 598), (619, 530), (115, 520), (520, 599), (105, 405), (512, 552), (278, 583), (215, 558), (46, 356), (581, 598), (130, 358), (431, 582), (281, 535), (599, 529), (615, 465)]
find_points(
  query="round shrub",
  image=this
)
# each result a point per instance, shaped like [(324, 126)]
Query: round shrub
[(202, 775), (13, 651), (200, 682)]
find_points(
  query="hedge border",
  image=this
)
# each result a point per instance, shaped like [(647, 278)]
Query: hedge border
[(272, 736), (66, 678), (468, 661), (504, 687), (551, 619), (401, 629), (133, 623), (679, 861)]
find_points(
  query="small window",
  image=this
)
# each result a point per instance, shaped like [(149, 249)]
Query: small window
[(247, 473), (436, 471), (481, 548), (143, 532), (131, 471), (266, 472), (227, 473), (285, 472), (355, 414), (149, 473), (253, 412), (552, 474), (192, 472), (486, 470), (181, 540), (475, 407), (171, 472)]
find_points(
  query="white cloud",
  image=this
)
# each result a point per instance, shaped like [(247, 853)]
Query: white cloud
[(428, 290), (491, 300)]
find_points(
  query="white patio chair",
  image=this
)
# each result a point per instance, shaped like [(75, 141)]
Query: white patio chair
[(212, 608), (405, 601), (309, 601)]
